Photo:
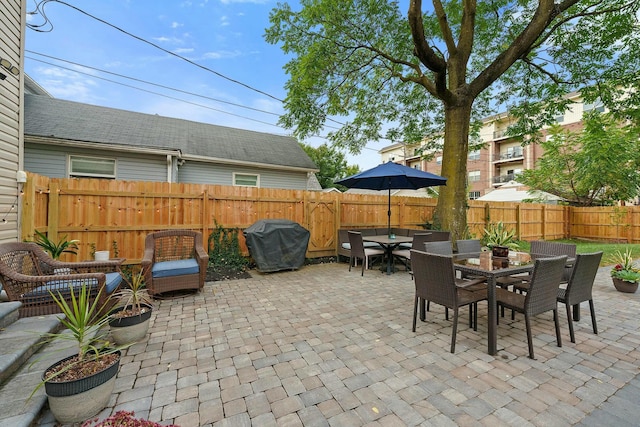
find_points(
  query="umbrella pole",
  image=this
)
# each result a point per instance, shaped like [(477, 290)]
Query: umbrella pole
[(389, 214)]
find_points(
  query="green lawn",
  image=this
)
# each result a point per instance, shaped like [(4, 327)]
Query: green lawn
[(607, 248)]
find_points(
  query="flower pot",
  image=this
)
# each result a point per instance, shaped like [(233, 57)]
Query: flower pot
[(500, 251), (101, 256), (78, 400), (624, 286), (129, 329)]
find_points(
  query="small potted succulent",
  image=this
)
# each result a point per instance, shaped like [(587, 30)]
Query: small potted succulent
[(624, 273), (129, 321), (499, 239)]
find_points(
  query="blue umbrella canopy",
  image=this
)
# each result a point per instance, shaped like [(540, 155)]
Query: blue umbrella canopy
[(392, 176)]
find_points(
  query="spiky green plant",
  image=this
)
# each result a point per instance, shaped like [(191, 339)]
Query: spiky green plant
[(56, 249)]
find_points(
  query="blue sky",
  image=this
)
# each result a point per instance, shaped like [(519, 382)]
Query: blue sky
[(225, 36)]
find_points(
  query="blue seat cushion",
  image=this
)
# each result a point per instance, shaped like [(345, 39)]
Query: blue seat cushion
[(175, 268), (405, 245), (112, 282)]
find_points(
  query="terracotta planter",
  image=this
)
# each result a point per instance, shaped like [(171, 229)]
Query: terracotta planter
[(78, 400), (624, 286), (127, 330)]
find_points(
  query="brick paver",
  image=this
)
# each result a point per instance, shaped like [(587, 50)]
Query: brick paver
[(325, 347)]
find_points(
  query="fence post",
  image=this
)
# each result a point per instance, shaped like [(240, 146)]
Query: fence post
[(205, 215), (27, 210), (518, 221), (543, 218), (54, 203)]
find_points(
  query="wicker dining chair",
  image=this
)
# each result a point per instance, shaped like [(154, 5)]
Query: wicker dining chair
[(544, 248), (418, 242), (435, 280), (29, 275), (542, 295), (579, 287), (174, 260), (358, 251)]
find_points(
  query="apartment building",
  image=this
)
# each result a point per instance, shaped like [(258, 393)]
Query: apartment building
[(502, 157)]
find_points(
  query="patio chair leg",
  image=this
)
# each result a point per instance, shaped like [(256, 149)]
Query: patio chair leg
[(455, 330), (415, 312), (556, 320), (475, 316), (527, 323), (570, 321), (593, 317)]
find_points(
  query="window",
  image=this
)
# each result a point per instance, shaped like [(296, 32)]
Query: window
[(474, 176), (246, 180), (473, 195), (596, 105), (474, 155), (559, 118), (96, 167), (439, 160)]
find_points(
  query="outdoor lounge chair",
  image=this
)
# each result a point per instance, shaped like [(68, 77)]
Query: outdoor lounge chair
[(174, 260), (29, 275)]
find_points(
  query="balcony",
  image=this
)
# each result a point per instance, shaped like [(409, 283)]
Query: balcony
[(517, 154), (504, 178)]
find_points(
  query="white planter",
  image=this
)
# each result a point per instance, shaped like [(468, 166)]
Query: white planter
[(101, 256)]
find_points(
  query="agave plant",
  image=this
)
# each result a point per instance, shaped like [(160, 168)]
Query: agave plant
[(498, 235)]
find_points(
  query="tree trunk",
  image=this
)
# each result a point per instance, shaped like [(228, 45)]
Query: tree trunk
[(451, 211)]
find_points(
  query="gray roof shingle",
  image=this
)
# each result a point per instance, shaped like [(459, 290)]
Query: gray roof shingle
[(50, 117)]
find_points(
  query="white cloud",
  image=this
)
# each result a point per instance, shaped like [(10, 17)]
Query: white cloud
[(221, 54), (168, 40), (244, 1), (224, 21), (182, 50), (66, 84), (176, 25)]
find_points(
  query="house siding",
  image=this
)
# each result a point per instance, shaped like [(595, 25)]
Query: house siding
[(51, 161), (12, 23), (217, 174)]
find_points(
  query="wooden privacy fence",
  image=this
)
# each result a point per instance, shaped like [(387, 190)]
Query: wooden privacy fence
[(117, 215)]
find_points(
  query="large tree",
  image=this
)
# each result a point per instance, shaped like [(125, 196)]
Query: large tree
[(331, 162), (376, 72), (598, 165)]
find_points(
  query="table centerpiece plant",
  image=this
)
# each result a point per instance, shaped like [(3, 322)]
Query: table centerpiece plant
[(499, 239), (624, 272)]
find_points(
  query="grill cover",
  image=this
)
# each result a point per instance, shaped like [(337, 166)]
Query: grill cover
[(277, 244)]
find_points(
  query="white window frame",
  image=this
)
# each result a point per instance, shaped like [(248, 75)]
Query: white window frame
[(596, 105), (474, 155), (439, 160), (473, 195), (76, 157), (240, 174), (474, 176)]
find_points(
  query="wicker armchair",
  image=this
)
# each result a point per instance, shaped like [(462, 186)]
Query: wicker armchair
[(29, 274), (174, 260)]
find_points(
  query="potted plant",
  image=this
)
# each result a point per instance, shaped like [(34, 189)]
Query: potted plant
[(56, 249), (499, 239), (624, 273), (129, 321), (80, 386)]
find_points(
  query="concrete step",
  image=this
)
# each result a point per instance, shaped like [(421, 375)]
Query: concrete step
[(8, 313), (23, 358)]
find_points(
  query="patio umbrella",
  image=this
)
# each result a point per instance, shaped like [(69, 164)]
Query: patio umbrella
[(392, 176)]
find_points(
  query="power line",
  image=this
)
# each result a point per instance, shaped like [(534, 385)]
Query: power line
[(40, 8), (145, 82), (155, 93)]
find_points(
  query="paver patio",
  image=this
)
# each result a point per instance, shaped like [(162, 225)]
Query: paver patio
[(322, 346)]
